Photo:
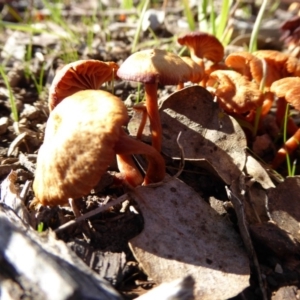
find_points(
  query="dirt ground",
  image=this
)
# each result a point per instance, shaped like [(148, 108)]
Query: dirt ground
[(30, 60)]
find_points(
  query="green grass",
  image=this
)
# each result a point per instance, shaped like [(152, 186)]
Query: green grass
[(144, 4), (256, 27), (40, 227), (12, 100), (188, 14), (291, 168)]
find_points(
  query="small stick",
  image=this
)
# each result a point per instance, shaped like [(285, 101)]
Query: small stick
[(92, 213), (243, 226)]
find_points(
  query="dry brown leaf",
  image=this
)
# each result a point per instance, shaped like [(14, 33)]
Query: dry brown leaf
[(206, 132), (254, 169), (184, 235), (10, 196), (284, 206)]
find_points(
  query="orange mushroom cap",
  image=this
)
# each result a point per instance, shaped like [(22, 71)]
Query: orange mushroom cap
[(203, 45), (235, 92), (80, 75), (279, 65), (83, 134), (78, 146), (289, 89), (246, 64)]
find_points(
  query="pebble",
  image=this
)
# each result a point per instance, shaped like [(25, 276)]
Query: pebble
[(4, 122)]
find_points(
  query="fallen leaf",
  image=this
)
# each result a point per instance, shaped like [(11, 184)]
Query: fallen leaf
[(206, 132), (184, 235), (284, 206), (11, 197), (254, 169)]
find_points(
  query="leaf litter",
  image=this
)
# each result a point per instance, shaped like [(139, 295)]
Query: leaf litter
[(182, 234)]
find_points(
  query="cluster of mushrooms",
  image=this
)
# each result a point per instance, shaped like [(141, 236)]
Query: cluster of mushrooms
[(85, 130)]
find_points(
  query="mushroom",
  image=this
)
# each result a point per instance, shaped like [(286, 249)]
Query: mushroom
[(287, 89), (246, 64), (235, 93), (279, 65), (203, 45), (80, 75), (154, 66), (252, 67), (83, 134), (197, 71)]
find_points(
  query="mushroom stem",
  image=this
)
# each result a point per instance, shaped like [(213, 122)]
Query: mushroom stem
[(180, 86), (290, 146), (143, 110), (128, 169), (267, 104), (156, 164), (152, 110)]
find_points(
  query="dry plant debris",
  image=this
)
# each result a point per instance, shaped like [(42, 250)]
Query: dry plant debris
[(231, 215)]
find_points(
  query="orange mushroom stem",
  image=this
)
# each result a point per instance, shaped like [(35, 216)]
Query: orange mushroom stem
[(153, 114), (128, 170), (156, 165), (143, 110), (288, 148), (267, 104)]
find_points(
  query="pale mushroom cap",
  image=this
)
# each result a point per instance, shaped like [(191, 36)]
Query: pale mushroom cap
[(154, 66), (197, 71), (288, 88), (78, 146), (80, 75), (203, 45), (235, 92)]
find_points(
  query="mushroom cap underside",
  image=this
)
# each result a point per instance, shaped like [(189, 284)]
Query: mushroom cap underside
[(203, 45), (80, 75)]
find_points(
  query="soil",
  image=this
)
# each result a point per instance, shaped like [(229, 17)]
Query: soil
[(20, 141)]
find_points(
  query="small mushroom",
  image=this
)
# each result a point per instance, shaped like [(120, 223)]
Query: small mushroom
[(83, 135), (80, 75), (203, 45), (279, 65), (154, 66), (235, 93), (246, 64), (288, 89), (252, 67)]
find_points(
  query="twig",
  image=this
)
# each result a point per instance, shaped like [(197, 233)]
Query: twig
[(92, 213), (25, 190), (243, 226), (25, 162)]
